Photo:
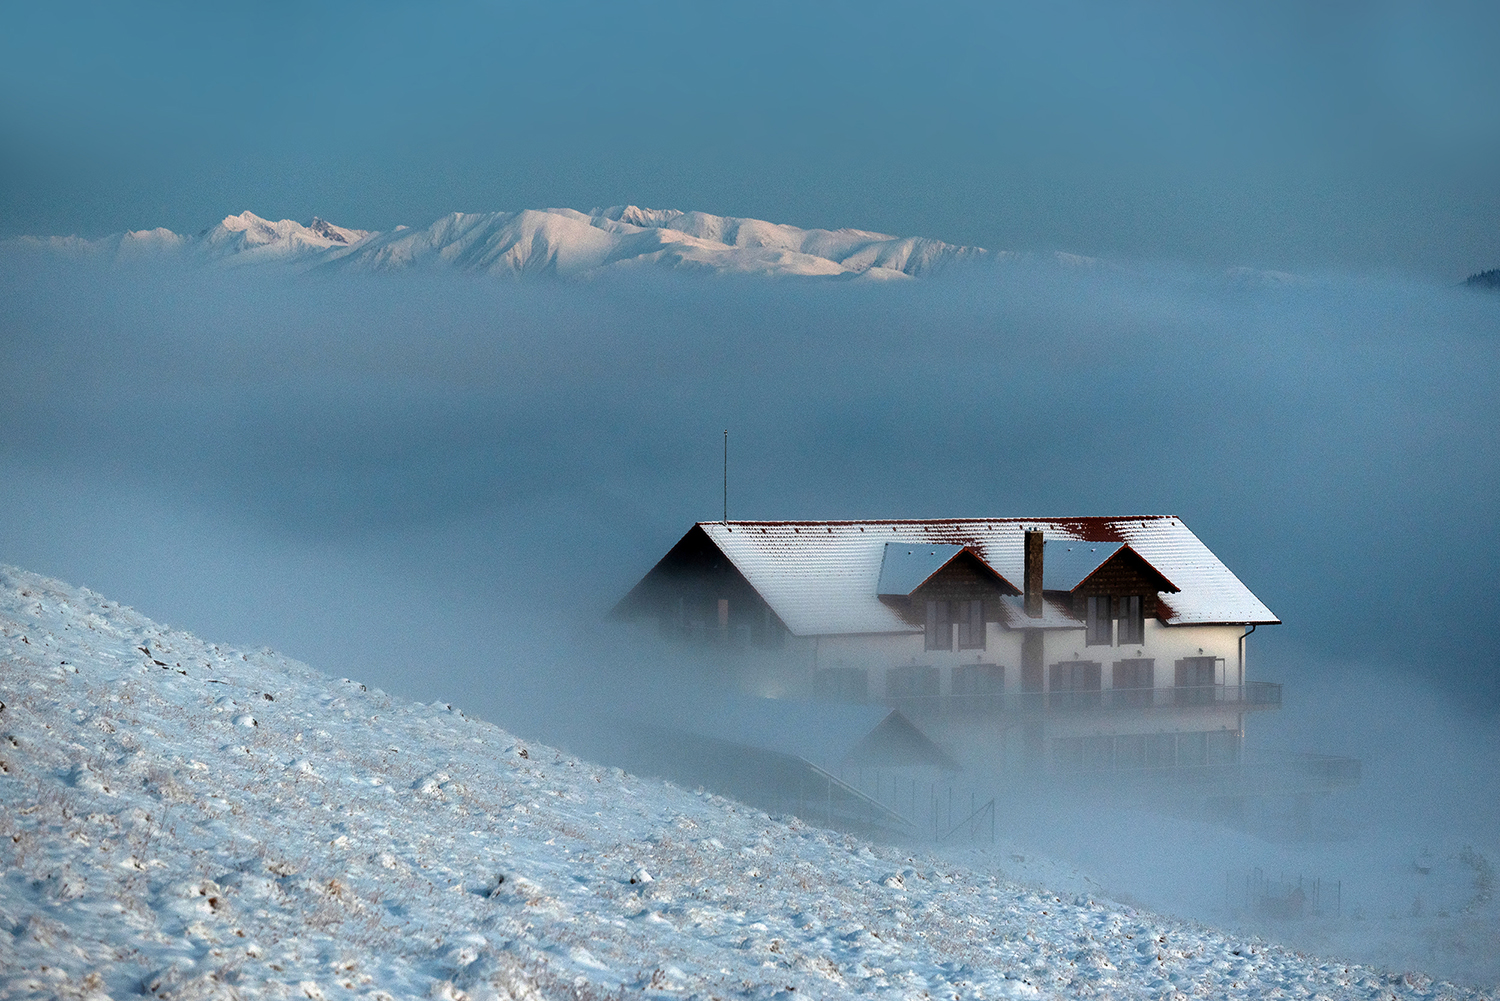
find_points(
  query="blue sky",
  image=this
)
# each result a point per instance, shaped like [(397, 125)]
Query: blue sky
[(1279, 135)]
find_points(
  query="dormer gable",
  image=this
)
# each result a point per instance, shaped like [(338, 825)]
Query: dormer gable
[(963, 576), (907, 567), (1077, 571)]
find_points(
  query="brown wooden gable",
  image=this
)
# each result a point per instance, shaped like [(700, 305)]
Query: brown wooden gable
[(966, 577), (1125, 573)]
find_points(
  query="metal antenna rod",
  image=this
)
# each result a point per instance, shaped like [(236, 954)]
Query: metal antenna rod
[(726, 477)]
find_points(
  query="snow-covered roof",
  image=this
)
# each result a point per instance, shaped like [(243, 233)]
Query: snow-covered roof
[(823, 577), (1065, 563), (906, 566), (1013, 609)]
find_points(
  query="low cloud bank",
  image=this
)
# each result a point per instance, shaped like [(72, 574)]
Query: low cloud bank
[(532, 447), (440, 485)]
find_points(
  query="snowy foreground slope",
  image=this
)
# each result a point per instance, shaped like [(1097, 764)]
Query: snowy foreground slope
[(562, 242), (184, 820)]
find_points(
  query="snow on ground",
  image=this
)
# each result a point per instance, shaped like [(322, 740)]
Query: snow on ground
[(186, 820), (1397, 898)]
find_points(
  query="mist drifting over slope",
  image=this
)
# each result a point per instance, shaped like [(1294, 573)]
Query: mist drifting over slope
[(439, 484), (338, 445)]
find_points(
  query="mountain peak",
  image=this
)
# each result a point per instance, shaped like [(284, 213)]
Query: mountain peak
[(248, 233), (559, 241)]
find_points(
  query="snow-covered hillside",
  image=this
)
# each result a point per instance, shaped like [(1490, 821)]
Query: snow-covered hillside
[(554, 241), (182, 819)]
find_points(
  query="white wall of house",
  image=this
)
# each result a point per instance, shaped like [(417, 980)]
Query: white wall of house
[(879, 652), (792, 668), (994, 742), (1164, 644)]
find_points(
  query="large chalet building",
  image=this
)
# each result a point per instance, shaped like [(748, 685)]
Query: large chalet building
[(1080, 645)]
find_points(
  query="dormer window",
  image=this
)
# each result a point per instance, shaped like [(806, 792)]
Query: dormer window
[(939, 627), (1132, 621), (971, 625), (941, 616), (1100, 622)]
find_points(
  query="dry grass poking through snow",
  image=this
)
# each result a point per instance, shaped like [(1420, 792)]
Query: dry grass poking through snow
[(183, 820)]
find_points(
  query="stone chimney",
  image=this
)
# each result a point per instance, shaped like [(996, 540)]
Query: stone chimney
[(1034, 573)]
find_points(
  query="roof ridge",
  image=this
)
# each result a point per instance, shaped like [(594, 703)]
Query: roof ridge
[(1006, 519)]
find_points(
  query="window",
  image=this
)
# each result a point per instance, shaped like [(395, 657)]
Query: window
[(939, 626), (1136, 752), (977, 687), (1075, 684), (1195, 681), (978, 679), (1132, 621), (1101, 630), (1083, 754), (843, 684), (971, 625), (911, 682), (1133, 682)]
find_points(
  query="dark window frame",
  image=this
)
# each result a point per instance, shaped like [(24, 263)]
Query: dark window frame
[(971, 628), (1134, 681), (918, 681), (1099, 620), (1132, 616), (1075, 684), (979, 679), (938, 633), (1195, 682), (977, 688)]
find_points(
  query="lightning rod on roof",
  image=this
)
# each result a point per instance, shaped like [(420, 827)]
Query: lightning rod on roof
[(726, 477)]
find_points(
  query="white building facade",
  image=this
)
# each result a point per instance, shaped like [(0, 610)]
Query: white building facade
[(1077, 645)]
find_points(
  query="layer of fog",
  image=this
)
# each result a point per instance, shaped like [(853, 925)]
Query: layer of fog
[(440, 485)]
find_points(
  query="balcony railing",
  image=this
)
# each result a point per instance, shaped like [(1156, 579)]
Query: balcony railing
[(1254, 695)]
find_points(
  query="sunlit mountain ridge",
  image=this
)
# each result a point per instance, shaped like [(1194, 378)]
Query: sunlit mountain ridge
[(557, 241)]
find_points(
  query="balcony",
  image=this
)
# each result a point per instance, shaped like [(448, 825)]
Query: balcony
[(1252, 696)]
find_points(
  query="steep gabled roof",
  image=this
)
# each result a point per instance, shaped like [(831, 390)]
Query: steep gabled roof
[(823, 577), (905, 566), (1067, 563), (828, 734)]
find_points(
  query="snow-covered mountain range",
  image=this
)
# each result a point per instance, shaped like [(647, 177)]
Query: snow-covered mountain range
[(181, 819), (562, 242)]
